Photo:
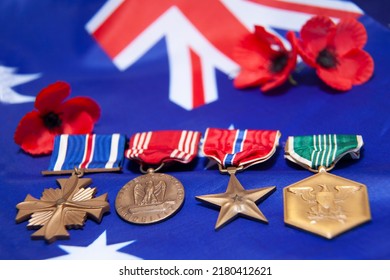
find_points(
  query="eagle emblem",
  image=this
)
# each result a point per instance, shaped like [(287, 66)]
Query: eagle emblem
[(326, 202), (150, 193)]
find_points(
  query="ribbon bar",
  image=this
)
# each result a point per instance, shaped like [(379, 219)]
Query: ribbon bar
[(240, 147), (89, 152), (157, 147), (325, 150)]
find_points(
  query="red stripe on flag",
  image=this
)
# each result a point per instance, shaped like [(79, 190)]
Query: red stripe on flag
[(131, 19), (128, 21), (308, 9), (216, 23), (88, 152), (197, 81)]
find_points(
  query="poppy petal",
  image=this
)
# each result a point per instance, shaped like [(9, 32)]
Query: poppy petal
[(249, 59), (248, 78), (253, 50), (51, 97), (32, 136), (282, 77), (79, 104), (354, 68), (315, 33), (293, 54), (77, 122), (308, 57), (331, 78), (275, 82), (270, 40), (349, 34), (358, 65)]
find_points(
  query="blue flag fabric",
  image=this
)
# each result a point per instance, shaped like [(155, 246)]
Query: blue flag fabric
[(137, 79)]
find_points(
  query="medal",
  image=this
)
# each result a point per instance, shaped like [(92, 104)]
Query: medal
[(236, 150), (154, 197), (324, 204), (70, 205)]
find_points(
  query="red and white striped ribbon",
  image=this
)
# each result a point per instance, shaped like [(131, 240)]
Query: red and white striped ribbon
[(156, 147)]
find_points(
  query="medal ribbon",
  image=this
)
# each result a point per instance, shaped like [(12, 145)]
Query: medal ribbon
[(157, 147), (90, 152), (240, 148), (325, 150)]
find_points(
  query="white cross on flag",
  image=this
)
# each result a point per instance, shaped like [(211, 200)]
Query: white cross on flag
[(200, 35)]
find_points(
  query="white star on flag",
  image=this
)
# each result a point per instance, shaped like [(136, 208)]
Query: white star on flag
[(9, 79), (97, 250)]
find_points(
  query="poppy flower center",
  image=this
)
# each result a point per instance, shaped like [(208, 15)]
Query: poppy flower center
[(52, 120), (326, 59), (278, 63)]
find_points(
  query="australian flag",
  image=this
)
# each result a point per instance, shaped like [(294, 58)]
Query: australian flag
[(169, 65)]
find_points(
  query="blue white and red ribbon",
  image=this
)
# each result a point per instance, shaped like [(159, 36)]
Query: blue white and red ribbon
[(89, 152), (235, 147)]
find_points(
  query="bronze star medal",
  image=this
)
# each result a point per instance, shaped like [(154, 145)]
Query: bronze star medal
[(324, 204), (235, 150), (237, 201), (59, 209)]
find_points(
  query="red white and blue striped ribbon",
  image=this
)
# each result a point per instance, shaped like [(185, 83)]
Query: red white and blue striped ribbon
[(156, 147), (92, 152), (240, 147)]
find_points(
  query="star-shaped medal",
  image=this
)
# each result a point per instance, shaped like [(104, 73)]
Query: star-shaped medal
[(62, 208), (237, 201)]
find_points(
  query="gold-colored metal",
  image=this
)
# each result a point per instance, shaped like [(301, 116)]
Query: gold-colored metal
[(326, 204), (59, 209), (230, 169), (237, 201), (149, 198), (79, 172), (150, 170)]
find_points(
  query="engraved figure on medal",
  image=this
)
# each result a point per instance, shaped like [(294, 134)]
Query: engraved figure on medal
[(149, 198), (327, 201), (326, 204), (149, 194)]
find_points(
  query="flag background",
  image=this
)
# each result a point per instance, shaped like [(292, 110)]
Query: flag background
[(49, 37)]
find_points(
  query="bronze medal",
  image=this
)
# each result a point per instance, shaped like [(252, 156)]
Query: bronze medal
[(69, 206), (155, 197), (237, 201), (324, 204), (235, 150), (61, 209), (149, 198)]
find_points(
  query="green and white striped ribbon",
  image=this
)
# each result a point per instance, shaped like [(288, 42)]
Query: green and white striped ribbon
[(325, 150)]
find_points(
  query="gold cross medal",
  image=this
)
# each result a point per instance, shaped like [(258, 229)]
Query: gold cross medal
[(324, 204), (69, 206), (235, 150)]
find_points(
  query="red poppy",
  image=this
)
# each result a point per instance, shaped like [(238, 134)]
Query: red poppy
[(53, 116), (264, 60), (335, 51)]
